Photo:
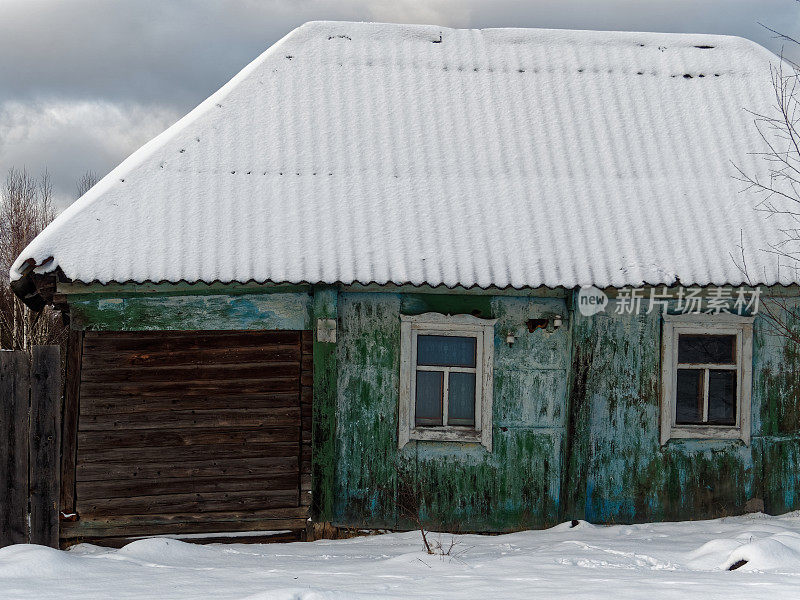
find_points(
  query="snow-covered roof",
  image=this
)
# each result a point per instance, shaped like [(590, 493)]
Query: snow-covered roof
[(362, 152)]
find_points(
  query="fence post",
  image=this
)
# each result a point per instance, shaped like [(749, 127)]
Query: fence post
[(69, 419), (45, 444), (14, 389)]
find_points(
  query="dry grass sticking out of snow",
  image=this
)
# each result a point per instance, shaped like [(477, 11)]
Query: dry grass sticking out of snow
[(656, 560)]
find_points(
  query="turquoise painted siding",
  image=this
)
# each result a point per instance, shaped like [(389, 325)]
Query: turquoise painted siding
[(615, 449), (776, 417), (205, 311)]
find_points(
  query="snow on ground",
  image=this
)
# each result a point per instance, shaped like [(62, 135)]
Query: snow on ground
[(660, 560)]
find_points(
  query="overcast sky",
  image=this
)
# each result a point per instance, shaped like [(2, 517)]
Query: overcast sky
[(83, 83)]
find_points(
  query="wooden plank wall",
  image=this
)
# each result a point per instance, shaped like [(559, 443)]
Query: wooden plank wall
[(30, 429), (69, 427), (306, 405), (14, 390), (192, 432), (45, 444)]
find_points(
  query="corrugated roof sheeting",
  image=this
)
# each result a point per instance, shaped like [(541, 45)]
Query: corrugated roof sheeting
[(377, 153)]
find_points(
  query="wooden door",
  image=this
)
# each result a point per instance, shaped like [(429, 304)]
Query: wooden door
[(193, 433)]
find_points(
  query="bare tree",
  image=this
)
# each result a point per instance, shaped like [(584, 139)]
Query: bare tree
[(26, 207), (778, 193), (86, 182)]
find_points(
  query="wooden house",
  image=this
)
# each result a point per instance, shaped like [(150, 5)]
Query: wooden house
[(352, 287)]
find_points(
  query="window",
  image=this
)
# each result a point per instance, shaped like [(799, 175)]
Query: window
[(706, 377), (446, 369)]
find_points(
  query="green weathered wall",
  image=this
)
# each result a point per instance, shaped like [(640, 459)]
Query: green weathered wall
[(576, 412), (617, 470), (280, 310), (458, 486), (776, 413), (323, 425)]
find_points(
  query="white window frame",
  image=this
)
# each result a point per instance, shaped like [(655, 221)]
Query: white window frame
[(412, 326), (705, 324)]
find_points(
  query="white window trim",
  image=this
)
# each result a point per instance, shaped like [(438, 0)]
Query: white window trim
[(721, 324), (455, 325)]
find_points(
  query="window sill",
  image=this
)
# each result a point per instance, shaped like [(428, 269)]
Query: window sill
[(447, 434), (707, 432)]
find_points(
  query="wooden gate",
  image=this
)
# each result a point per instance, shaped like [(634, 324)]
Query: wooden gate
[(30, 428), (190, 433)]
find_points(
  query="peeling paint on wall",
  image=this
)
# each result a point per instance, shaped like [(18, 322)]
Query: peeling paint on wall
[(214, 311), (576, 413), (458, 486), (628, 476)]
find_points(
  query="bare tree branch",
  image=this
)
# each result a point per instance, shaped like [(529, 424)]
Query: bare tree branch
[(26, 207), (779, 192), (86, 182)]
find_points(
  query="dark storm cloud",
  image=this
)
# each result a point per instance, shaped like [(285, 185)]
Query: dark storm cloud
[(85, 82)]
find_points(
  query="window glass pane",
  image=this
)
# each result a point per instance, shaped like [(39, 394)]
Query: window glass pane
[(428, 409), (446, 351), (722, 397), (461, 399), (689, 397), (720, 349)]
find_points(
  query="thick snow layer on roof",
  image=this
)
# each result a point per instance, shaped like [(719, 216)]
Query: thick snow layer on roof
[(360, 152)]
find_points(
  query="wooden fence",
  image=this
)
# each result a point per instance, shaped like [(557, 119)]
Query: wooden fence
[(30, 442)]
